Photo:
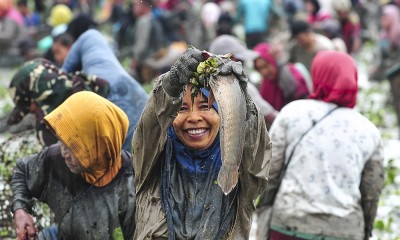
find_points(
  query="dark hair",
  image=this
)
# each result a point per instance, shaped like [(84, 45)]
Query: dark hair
[(299, 26), (316, 5), (80, 24), (225, 24), (65, 39)]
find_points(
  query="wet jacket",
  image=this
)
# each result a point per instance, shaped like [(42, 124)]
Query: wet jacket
[(82, 211), (148, 144)]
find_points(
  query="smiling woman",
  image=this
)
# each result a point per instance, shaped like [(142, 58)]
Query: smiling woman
[(197, 124), (178, 188)]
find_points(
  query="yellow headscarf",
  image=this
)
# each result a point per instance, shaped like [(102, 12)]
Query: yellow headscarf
[(94, 129)]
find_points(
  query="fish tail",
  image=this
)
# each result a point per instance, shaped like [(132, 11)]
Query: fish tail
[(228, 178)]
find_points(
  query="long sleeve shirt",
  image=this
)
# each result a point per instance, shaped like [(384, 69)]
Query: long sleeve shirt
[(148, 144), (335, 175), (82, 211)]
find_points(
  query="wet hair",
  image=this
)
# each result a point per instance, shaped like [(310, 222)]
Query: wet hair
[(65, 39), (299, 26)]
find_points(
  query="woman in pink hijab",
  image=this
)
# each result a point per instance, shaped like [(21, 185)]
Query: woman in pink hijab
[(281, 83), (8, 9)]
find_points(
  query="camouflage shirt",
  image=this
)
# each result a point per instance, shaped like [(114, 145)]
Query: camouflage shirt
[(42, 83)]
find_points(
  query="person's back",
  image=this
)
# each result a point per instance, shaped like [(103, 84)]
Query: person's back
[(308, 44), (331, 158), (93, 55)]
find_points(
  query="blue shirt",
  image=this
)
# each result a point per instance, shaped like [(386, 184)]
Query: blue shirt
[(91, 54), (255, 14)]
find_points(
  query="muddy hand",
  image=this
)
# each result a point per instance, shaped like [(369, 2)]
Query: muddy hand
[(24, 224), (182, 71), (236, 68)]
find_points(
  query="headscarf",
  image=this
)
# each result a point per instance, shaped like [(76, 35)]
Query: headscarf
[(8, 9), (41, 82), (94, 129), (270, 89), (334, 76), (206, 213), (393, 34)]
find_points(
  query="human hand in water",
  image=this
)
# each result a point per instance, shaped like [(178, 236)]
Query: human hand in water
[(24, 225)]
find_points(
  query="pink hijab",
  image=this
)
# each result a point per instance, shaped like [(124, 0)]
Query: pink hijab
[(269, 88), (7, 9), (334, 77), (393, 34)]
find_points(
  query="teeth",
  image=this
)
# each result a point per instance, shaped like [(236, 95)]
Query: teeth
[(196, 131)]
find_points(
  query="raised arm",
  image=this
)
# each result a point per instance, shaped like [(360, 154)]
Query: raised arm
[(158, 114)]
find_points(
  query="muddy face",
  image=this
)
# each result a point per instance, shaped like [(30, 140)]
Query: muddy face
[(198, 125), (71, 161)]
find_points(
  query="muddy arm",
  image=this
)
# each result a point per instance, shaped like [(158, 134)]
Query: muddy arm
[(371, 185), (151, 131), (29, 180), (256, 161)]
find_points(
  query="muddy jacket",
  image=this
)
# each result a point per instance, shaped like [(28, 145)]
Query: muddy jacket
[(81, 210), (148, 144)]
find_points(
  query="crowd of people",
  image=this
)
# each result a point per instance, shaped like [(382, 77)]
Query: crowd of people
[(134, 147)]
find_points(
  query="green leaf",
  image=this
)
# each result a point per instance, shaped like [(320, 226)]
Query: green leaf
[(379, 225), (117, 234)]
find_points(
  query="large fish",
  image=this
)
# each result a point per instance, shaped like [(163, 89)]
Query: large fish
[(231, 102)]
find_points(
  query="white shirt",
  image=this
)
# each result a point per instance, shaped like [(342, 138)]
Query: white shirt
[(324, 174)]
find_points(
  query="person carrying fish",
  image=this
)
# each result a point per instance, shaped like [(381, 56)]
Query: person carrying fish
[(199, 163)]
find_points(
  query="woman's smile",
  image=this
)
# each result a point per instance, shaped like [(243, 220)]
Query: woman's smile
[(196, 132), (197, 124)]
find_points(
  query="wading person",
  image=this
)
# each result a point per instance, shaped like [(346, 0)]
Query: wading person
[(177, 155), (87, 180), (330, 159), (282, 83)]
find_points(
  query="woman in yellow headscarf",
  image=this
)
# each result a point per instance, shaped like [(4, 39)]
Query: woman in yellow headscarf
[(87, 179)]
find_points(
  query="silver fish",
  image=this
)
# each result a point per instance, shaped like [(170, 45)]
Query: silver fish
[(232, 109)]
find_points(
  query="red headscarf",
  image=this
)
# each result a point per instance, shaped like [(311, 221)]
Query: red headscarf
[(269, 88), (334, 77)]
